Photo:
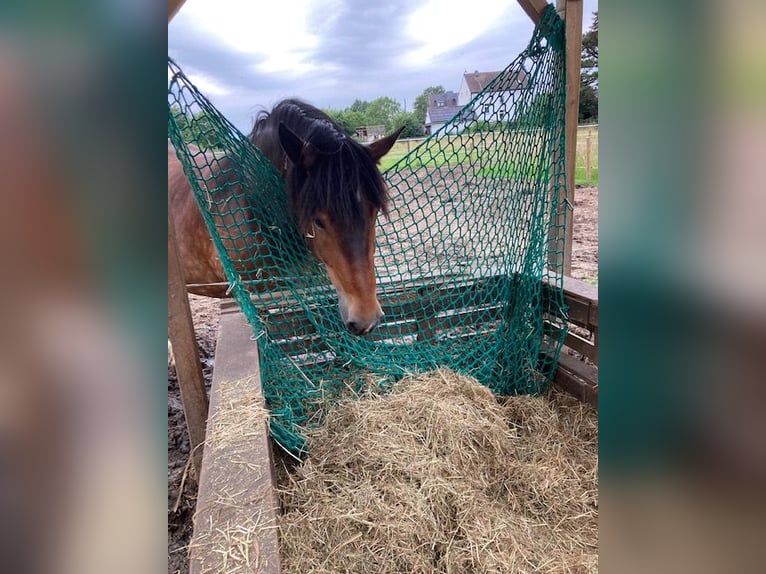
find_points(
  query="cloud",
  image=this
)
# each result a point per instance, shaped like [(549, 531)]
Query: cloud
[(245, 55), (438, 28)]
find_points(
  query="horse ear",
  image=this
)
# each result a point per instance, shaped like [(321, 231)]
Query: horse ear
[(300, 152), (382, 146)]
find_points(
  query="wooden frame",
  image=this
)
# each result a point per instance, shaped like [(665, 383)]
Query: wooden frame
[(573, 21), (173, 7), (578, 376), (181, 335), (571, 12), (533, 8), (244, 469), (185, 351)]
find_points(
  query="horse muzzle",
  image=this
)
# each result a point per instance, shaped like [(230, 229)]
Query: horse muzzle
[(357, 320), (363, 328)]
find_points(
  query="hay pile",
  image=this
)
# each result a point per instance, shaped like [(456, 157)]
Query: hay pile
[(439, 477)]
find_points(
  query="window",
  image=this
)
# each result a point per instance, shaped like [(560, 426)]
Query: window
[(485, 109), (439, 103)]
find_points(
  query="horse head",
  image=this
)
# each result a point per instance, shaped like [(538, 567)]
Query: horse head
[(337, 192)]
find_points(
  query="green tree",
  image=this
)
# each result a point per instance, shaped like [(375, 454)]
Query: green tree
[(421, 102), (359, 106), (381, 111), (589, 73), (413, 127), (588, 111), (348, 119)]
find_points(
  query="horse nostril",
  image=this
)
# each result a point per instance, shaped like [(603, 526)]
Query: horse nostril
[(353, 326)]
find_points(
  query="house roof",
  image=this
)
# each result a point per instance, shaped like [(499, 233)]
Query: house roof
[(447, 99), (442, 114), (477, 81)]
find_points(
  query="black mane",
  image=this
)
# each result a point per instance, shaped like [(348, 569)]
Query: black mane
[(343, 179)]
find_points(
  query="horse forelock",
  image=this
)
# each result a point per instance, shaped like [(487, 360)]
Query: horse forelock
[(343, 181)]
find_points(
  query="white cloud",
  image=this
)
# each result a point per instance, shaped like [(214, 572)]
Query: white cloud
[(438, 26), (206, 84), (278, 32)]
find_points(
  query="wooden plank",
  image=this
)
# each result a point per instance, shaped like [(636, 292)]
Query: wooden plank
[(409, 301), (577, 378), (571, 11), (581, 299), (237, 480), (581, 345), (181, 334), (580, 289), (575, 342), (573, 57), (533, 8), (173, 7), (303, 345)]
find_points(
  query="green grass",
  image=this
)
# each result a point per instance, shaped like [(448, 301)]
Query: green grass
[(451, 151), (392, 157), (581, 180)]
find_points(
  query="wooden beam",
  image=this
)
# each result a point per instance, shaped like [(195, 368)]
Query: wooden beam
[(573, 59), (181, 334), (236, 488), (533, 8), (577, 378), (173, 7)]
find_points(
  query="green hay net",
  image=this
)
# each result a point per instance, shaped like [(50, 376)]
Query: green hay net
[(468, 262)]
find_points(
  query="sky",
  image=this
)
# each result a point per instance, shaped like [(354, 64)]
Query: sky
[(246, 55)]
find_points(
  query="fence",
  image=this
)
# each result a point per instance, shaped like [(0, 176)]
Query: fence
[(586, 166)]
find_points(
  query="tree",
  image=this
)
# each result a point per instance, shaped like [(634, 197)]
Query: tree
[(589, 74), (421, 102), (359, 106), (589, 63), (413, 127), (588, 111), (381, 111)]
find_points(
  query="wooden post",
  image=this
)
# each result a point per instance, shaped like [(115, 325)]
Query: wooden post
[(241, 467), (181, 333), (173, 7), (533, 8), (572, 13)]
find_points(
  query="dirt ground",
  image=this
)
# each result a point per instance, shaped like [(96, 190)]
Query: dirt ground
[(206, 314), (585, 242)]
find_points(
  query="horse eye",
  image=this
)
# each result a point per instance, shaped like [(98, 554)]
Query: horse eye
[(318, 223)]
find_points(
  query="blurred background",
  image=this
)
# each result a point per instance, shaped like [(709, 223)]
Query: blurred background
[(682, 90), (82, 286)]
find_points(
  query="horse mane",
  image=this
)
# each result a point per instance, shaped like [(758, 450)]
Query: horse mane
[(339, 183)]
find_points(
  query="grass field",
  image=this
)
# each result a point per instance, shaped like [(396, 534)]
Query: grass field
[(466, 150)]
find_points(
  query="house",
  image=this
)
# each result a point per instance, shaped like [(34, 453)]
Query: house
[(440, 108), (496, 104), (370, 133)]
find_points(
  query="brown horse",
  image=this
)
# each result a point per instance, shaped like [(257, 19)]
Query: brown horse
[(334, 191)]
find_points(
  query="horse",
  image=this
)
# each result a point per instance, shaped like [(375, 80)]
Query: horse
[(334, 190)]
